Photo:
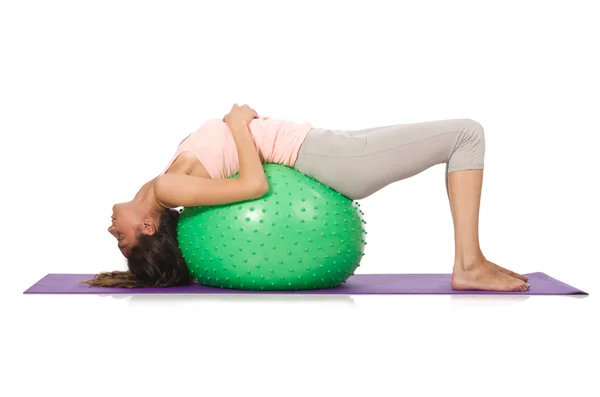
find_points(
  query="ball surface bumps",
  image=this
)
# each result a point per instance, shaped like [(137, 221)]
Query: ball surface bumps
[(300, 235)]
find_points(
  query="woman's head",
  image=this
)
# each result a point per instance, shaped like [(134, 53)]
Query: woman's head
[(129, 221), (151, 248)]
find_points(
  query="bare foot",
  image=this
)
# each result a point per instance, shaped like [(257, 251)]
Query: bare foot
[(503, 270), (479, 276)]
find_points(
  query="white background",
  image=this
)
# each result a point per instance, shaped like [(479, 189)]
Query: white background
[(95, 97)]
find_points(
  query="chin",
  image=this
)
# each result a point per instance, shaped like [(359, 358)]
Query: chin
[(118, 208)]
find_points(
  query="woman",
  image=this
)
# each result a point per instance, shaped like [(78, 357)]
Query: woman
[(355, 163)]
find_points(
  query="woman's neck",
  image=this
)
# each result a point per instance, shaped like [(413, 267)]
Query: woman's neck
[(146, 198)]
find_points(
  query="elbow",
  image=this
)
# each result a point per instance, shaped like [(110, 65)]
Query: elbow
[(260, 189)]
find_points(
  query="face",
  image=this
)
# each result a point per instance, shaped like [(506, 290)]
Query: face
[(126, 222)]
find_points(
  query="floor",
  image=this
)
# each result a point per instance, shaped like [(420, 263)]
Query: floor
[(300, 345)]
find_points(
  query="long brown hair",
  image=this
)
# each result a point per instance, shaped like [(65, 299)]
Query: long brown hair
[(155, 261)]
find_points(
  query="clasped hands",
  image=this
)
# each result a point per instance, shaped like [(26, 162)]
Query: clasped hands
[(240, 115)]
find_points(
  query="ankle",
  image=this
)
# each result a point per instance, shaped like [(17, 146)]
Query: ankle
[(469, 262)]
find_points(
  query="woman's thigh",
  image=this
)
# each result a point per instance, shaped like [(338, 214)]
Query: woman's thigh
[(360, 162)]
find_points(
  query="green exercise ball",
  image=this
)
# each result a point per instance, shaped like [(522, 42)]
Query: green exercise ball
[(300, 235)]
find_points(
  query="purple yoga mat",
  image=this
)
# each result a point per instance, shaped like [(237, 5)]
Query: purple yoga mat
[(359, 284)]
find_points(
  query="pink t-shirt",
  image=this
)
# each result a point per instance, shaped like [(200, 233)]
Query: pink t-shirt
[(277, 141)]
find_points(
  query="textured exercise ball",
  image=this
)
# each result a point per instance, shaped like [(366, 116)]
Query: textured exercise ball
[(300, 235)]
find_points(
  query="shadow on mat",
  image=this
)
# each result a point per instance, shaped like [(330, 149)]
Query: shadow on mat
[(470, 300), (345, 300)]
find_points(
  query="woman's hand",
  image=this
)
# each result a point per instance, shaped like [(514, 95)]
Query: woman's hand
[(240, 115)]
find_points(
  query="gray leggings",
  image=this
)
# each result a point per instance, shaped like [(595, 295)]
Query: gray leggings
[(358, 163)]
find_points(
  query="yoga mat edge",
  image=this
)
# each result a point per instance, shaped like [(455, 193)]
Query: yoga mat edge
[(359, 284)]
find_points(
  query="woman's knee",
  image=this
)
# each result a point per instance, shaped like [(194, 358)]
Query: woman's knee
[(475, 133), (474, 127), (469, 152)]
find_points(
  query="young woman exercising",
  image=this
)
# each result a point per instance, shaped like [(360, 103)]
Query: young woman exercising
[(354, 163)]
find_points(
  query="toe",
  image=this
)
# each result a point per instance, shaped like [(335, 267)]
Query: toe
[(516, 275), (519, 276)]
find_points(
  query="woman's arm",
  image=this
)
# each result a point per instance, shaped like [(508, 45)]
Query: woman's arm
[(250, 165), (182, 190)]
